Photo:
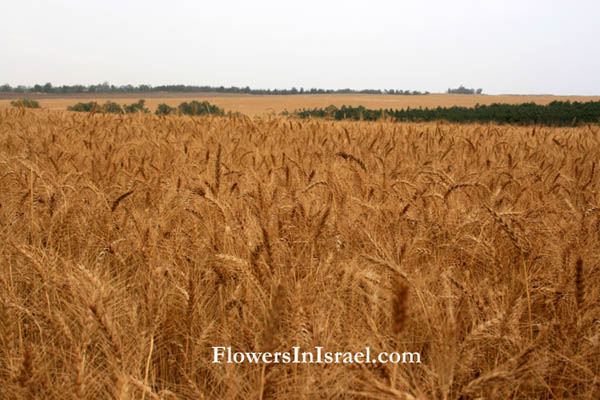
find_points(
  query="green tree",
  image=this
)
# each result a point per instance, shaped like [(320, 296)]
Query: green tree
[(27, 103), (164, 109)]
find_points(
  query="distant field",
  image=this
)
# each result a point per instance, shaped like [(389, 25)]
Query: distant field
[(254, 105)]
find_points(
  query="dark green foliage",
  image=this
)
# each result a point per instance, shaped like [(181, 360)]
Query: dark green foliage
[(110, 107), (199, 108), (345, 112), (27, 103), (84, 107), (164, 109), (559, 113), (135, 107), (463, 90), (92, 106), (192, 108)]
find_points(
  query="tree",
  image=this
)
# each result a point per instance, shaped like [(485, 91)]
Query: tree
[(164, 109), (136, 107), (27, 103), (461, 90)]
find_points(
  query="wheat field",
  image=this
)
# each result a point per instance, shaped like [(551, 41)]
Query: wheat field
[(132, 244)]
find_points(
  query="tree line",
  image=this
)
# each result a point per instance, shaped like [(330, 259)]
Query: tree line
[(108, 88), (556, 113), (463, 90)]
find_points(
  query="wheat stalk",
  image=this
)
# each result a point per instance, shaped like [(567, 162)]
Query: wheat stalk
[(350, 157)]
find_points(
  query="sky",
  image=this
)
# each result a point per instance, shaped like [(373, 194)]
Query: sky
[(503, 47)]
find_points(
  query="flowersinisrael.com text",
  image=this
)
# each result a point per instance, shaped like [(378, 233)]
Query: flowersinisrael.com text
[(222, 354)]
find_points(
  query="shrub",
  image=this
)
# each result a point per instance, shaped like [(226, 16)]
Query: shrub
[(27, 103), (164, 109), (92, 106), (83, 107), (192, 108), (110, 107), (136, 107), (199, 108)]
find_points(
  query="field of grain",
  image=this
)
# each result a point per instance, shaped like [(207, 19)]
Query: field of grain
[(130, 245), (253, 105)]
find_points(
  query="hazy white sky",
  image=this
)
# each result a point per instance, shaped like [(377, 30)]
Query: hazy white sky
[(524, 46)]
